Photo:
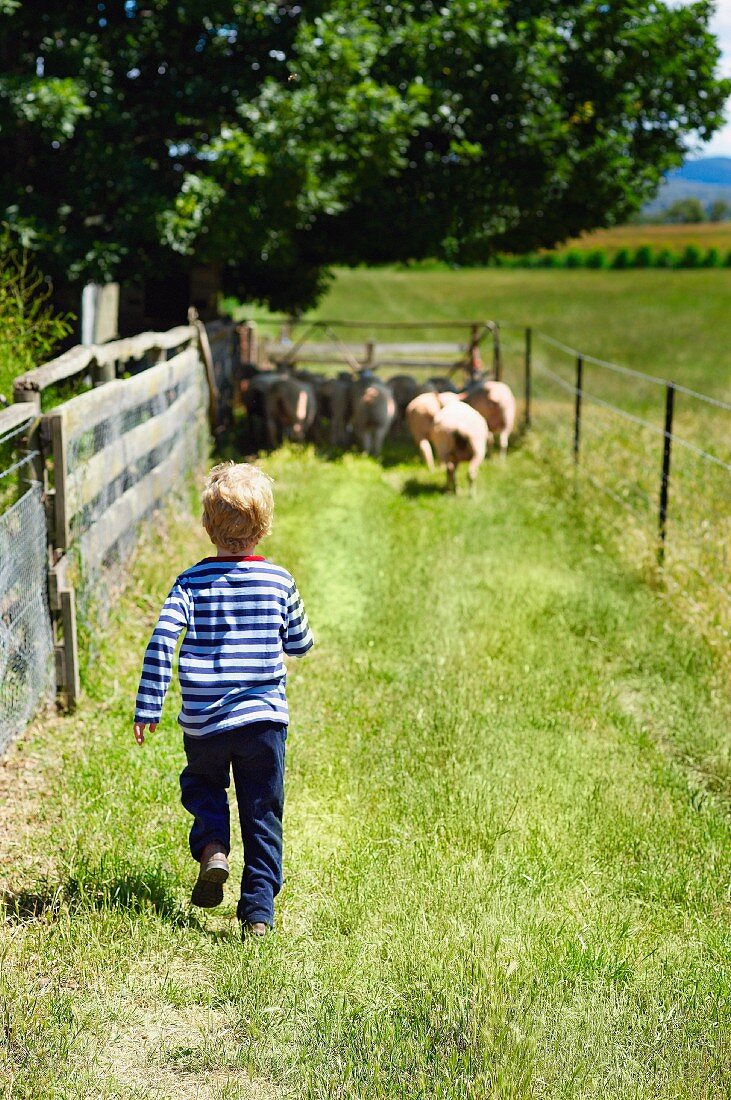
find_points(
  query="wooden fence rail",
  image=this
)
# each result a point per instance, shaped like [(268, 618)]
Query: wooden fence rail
[(107, 458)]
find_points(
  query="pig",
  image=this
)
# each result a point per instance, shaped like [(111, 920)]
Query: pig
[(420, 414), (373, 411), (290, 409), (459, 434), (495, 402)]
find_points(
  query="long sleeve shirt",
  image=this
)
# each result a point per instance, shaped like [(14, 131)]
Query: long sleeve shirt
[(240, 616)]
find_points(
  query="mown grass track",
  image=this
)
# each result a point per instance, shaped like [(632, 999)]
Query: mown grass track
[(508, 859)]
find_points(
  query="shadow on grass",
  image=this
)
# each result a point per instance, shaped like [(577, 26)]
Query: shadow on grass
[(94, 889), (415, 488)]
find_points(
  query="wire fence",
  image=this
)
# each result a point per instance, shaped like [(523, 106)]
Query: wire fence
[(26, 641), (78, 481), (656, 455)]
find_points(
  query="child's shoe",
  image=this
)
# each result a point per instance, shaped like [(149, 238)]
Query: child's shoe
[(208, 890), (255, 929)]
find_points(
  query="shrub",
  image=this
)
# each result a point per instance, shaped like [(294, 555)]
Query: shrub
[(727, 260), (642, 257), (621, 259), (30, 329), (691, 257), (573, 258), (665, 258), (596, 259), (712, 258)]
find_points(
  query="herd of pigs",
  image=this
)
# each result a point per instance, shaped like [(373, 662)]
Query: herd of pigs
[(361, 409)]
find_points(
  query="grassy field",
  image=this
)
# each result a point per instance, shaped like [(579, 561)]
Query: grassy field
[(674, 237), (673, 324), (508, 856)]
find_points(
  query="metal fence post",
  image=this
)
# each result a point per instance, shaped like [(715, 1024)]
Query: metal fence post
[(577, 410), (665, 477), (497, 356), (528, 364)]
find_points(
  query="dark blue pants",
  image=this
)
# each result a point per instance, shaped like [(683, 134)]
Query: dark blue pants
[(255, 754)]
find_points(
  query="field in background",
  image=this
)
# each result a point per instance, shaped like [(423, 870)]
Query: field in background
[(674, 325), (507, 861), (675, 237)]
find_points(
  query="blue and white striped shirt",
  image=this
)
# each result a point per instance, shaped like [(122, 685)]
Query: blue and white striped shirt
[(240, 616)]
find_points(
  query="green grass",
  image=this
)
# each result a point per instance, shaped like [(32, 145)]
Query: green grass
[(507, 830), (672, 324)]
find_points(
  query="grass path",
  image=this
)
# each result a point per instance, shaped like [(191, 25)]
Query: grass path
[(508, 861)]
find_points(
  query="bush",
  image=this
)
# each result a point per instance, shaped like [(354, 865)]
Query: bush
[(621, 260), (643, 256), (665, 258), (30, 329), (712, 258), (596, 259), (691, 257), (727, 261), (573, 258)]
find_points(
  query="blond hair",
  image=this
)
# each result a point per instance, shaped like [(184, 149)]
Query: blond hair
[(238, 506)]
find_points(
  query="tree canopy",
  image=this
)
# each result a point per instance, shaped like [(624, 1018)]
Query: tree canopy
[(277, 139)]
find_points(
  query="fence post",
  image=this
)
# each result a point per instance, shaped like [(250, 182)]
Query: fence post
[(528, 364), (57, 422), (497, 358), (665, 477), (577, 411)]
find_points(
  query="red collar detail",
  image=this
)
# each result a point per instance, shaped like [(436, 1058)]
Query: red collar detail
[(236, 557)]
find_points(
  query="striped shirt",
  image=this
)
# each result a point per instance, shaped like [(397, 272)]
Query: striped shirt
[(240, 616)]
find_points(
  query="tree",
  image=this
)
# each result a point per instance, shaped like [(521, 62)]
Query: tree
[(719, 211), (688, 211), (277, 139)]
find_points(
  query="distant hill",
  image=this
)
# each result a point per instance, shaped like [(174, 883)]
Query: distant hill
[(707, 179), (716, 170)]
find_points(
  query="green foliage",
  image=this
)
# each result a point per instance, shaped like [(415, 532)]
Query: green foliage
[(275, 140), (691, 257), (712, 258), (597, 259), (665, 258), (689, 211), (643, 257), (573, 258), (30, 329), (719, 211), (621, 259)]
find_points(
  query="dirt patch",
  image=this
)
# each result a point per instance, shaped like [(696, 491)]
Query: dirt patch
[(190, 1053)]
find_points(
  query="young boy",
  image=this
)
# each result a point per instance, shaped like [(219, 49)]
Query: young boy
[(241, 614)]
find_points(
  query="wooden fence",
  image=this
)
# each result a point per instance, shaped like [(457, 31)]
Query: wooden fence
[(320, 343), (106, 458)]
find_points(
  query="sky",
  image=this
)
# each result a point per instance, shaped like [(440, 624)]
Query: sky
[(720, 144)]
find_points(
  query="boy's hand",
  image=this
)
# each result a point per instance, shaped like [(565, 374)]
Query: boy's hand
[(140, 731)]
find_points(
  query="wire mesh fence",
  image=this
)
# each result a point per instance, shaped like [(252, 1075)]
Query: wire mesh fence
[(126, 447), (26, 641), (657, 455)]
